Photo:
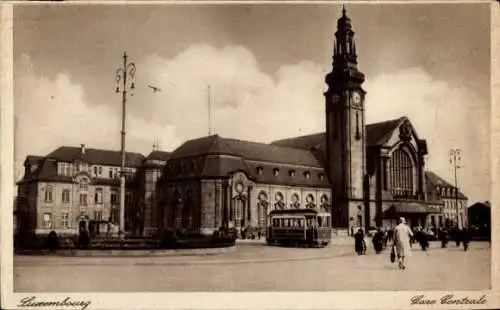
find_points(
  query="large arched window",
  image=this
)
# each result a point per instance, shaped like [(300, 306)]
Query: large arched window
[(401, 174), (262, 209)]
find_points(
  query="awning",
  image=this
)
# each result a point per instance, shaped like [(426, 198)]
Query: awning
[(413, 207)]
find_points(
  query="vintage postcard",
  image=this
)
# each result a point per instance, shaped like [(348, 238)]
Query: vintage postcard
[(249, 155)]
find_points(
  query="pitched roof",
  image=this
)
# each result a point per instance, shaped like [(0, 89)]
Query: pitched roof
[(380, 133), (307, 142), (159, 155), (432, 180), (214, 156), (480, 205), (33, 159), (96, 156), (216, 145), (376, 134)]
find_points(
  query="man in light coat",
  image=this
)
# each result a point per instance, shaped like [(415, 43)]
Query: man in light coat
[(402, 236)]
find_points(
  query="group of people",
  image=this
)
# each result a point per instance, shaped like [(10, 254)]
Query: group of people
[(402, 237)]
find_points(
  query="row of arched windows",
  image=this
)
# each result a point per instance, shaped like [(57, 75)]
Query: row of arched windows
[(446, 191), (291, 173)]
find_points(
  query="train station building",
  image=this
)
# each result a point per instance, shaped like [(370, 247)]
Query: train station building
[(365, 175)]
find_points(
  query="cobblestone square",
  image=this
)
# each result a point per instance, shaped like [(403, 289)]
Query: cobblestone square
[(257, 267)]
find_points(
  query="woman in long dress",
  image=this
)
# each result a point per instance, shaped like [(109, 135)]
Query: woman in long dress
[(402, 236)]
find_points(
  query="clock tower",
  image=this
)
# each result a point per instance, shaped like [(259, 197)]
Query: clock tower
[(345, 131)]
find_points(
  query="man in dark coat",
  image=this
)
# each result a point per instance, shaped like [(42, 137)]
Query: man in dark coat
[(378, 240), (423, 239), (443, 237), (359, 242), (466, 236)]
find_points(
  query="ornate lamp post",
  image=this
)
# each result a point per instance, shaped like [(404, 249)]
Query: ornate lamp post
[(125, 75), (455, 161)]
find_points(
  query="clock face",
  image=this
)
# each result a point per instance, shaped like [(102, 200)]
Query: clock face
[(239, 187), (356, 97)]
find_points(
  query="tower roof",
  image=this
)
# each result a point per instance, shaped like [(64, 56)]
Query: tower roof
[(344, 22)]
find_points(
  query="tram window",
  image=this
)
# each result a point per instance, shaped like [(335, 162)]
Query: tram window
[(299, 222), (320, 221), (288, 223)]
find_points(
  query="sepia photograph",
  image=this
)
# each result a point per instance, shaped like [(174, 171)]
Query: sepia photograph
[(251, 147)]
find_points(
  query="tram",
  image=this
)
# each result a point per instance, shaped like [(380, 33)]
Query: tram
[(299, 227)]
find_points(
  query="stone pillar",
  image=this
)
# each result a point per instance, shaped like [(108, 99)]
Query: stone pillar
[(248, 222)]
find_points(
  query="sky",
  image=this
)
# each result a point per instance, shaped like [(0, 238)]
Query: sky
[(265, 65)]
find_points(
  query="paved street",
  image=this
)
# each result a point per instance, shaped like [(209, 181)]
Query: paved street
[(256, 267)]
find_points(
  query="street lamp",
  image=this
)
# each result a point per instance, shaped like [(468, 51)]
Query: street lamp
[(455, 155), (126, 75)]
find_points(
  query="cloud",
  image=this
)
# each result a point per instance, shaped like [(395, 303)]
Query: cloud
[(248, 104), (447, 117), (53, 112)]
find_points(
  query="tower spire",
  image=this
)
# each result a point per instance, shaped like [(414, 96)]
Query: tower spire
[(343, 10)]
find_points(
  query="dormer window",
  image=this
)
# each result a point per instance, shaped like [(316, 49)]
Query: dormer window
[(307, 174), (260, 170), (276, 172), (291, 172), (321, 176)]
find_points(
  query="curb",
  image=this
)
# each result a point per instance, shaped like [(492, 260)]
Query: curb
[(130, 253)]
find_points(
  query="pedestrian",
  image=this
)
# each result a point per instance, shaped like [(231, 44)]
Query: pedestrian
[(443, 237), (466, 236), (402, 236), (378, 240), (390, 234), (457, 235), (359, 242), (423, 240), (385, 237)]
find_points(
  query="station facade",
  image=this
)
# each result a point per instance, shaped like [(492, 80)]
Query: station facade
[(366, 175)]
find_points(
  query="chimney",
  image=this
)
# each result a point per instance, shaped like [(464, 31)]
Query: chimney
[(82, 147)]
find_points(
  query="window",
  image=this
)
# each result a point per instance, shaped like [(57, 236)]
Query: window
[(65, 220), (401, 174), (110, 173), (98, 196), (98, 215), (291, 172), (83, 200), (358, 134), (307, 174), (84, 186), (95, 170), (65, 196), (310, 202), (295, 201), (114, 196), (259, 170), (321, 176), (64, 169), (276, 171), (48, 193), (100, 170), (47, 220), (128, 198), (67, 169)]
